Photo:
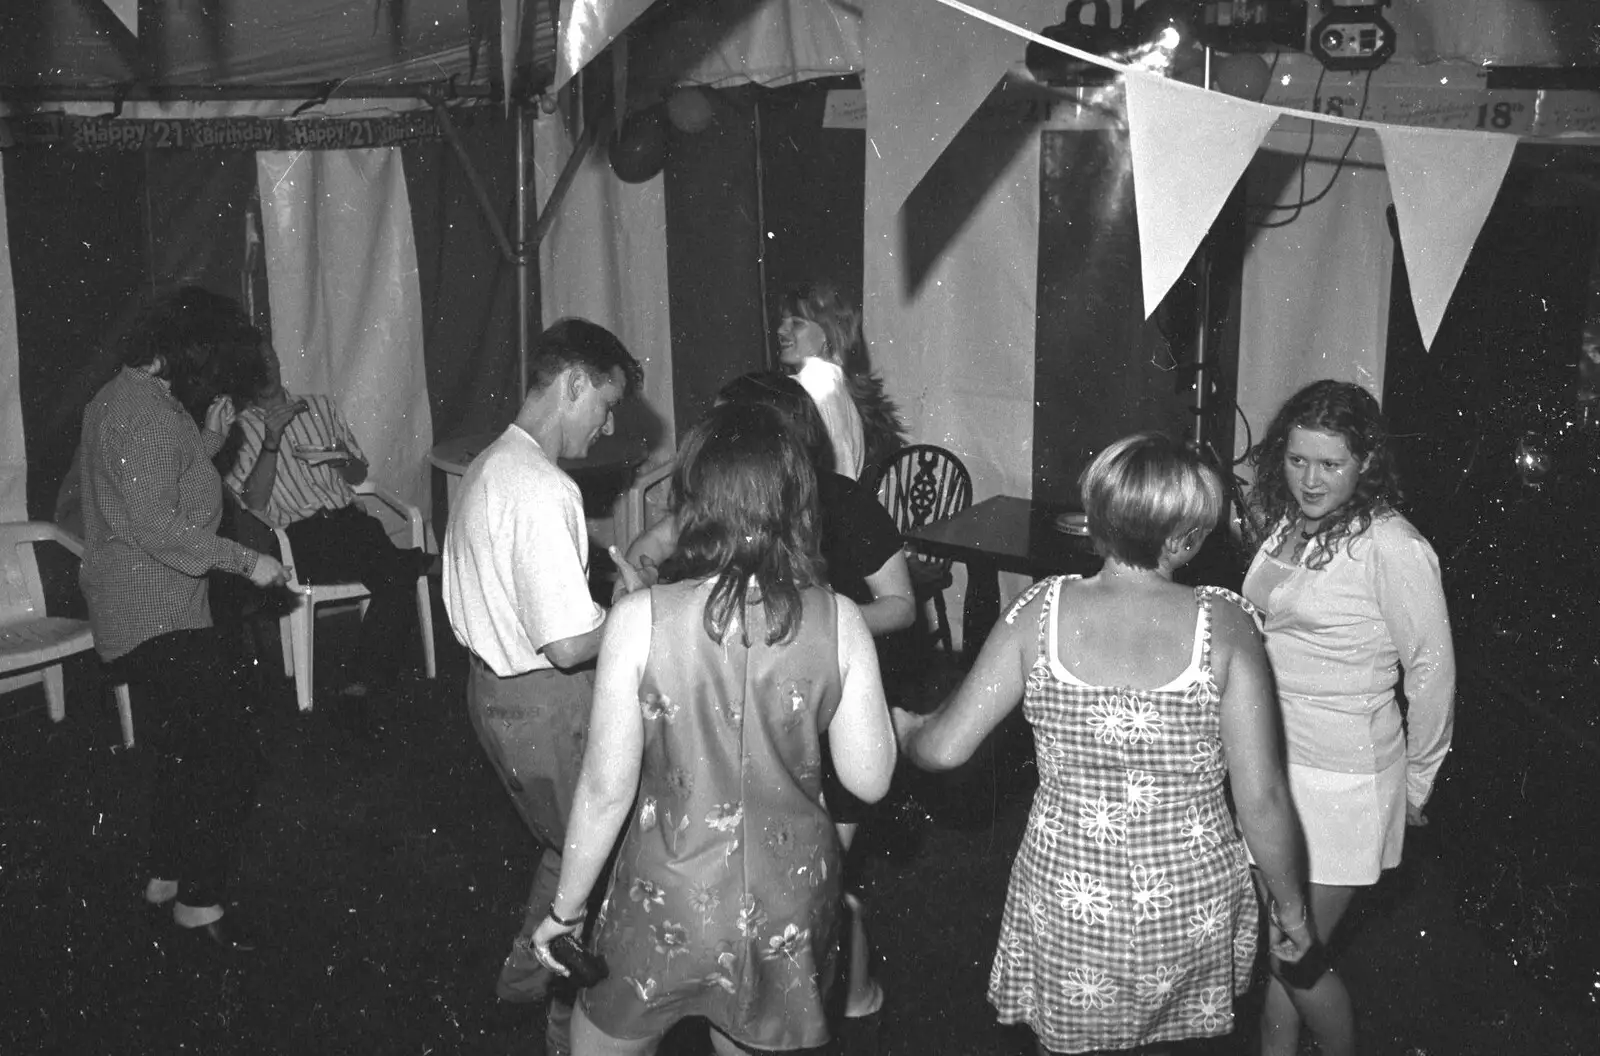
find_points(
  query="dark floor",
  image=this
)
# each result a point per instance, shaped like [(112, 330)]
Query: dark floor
[(387, 872)]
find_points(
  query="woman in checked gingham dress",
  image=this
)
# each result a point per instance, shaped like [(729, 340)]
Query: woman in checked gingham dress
[(1131, 919)]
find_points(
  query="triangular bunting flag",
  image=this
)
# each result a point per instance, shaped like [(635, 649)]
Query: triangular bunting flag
[(127, 12), (1443, 184), (510, 41), (1189, 147), (928, 68), (587, 26)]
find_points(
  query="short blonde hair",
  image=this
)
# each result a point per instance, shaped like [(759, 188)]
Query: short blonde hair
[(1144, 490)]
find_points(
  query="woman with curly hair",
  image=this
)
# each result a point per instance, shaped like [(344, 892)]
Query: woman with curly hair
[(820, 342), (1354, 609)]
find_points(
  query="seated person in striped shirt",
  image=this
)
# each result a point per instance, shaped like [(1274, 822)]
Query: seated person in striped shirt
[(296, 466)]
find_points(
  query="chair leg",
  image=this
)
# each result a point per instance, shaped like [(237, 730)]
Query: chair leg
[(286, 641), (55, 692), (943, 632), (125, 712), (299, 624), (430, 663)]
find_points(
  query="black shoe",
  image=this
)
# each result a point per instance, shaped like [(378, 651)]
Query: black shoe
[(219, 937)]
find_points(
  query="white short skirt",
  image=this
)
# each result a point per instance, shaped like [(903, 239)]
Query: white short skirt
[(1355, 824)]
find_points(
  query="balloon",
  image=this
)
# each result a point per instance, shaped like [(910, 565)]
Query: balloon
[(689, 110), (1243, 74), (639, 149)]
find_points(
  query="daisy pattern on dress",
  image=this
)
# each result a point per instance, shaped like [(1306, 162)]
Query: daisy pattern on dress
[(1206, 754), (1028, 1002), (647, 813), (1157, 987), (1050, 754), (1046, 824), (725, 817), (1105, 822), (1244, 946), (1142, 794), (1211, 1010), (1106, 720), (1198, 830), (1010, 948), (1141, 720), (1084, 896), (1205, 921), (1201, 688), (1088, 987), (1038, 914), (704, 900), (1151, 893)]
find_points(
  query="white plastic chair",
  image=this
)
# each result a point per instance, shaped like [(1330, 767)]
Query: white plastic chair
[(635, 500), (405, 526), (32, 641)]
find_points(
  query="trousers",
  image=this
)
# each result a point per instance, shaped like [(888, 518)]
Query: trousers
[(533, 728), (194, 705), (350, 545)]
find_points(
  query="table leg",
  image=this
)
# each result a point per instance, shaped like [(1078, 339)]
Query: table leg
[(982, 608)]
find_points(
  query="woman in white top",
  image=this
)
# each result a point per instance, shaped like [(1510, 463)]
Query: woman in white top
[(1353, 608), (819, 340)]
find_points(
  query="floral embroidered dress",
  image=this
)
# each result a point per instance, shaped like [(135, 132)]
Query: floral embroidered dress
[(1130, 918), (724, 898)]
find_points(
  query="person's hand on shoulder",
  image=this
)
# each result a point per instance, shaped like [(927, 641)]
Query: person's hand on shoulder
[(629, 578)]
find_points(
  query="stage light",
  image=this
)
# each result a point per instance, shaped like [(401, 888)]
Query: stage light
[(1159, 35), (1252, 25), (1352, 36), (1095, 35)]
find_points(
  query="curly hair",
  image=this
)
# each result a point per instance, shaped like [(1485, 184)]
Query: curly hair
[(746, 500), (1350, 412)]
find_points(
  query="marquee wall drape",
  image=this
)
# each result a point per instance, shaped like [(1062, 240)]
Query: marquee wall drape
[(957, 350), (1315, 295), (13, 451), (346, 307), (605, 259)]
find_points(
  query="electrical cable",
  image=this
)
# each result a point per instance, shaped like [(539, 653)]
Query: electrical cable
[(1305, 158)]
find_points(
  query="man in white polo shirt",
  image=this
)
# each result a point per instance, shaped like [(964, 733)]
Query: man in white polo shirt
[(516, 560)]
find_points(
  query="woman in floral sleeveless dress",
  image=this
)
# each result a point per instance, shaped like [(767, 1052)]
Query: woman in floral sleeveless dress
[(711, 696), (1131, 918)]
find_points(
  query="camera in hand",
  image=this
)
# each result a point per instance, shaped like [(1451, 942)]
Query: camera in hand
[(586, 968)]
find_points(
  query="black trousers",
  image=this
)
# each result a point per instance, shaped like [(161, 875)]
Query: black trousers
[(349, 545), (193, 703)]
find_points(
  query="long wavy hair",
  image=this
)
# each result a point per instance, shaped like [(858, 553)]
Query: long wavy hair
[(746, 501), (883, 431), (1344, 410)]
